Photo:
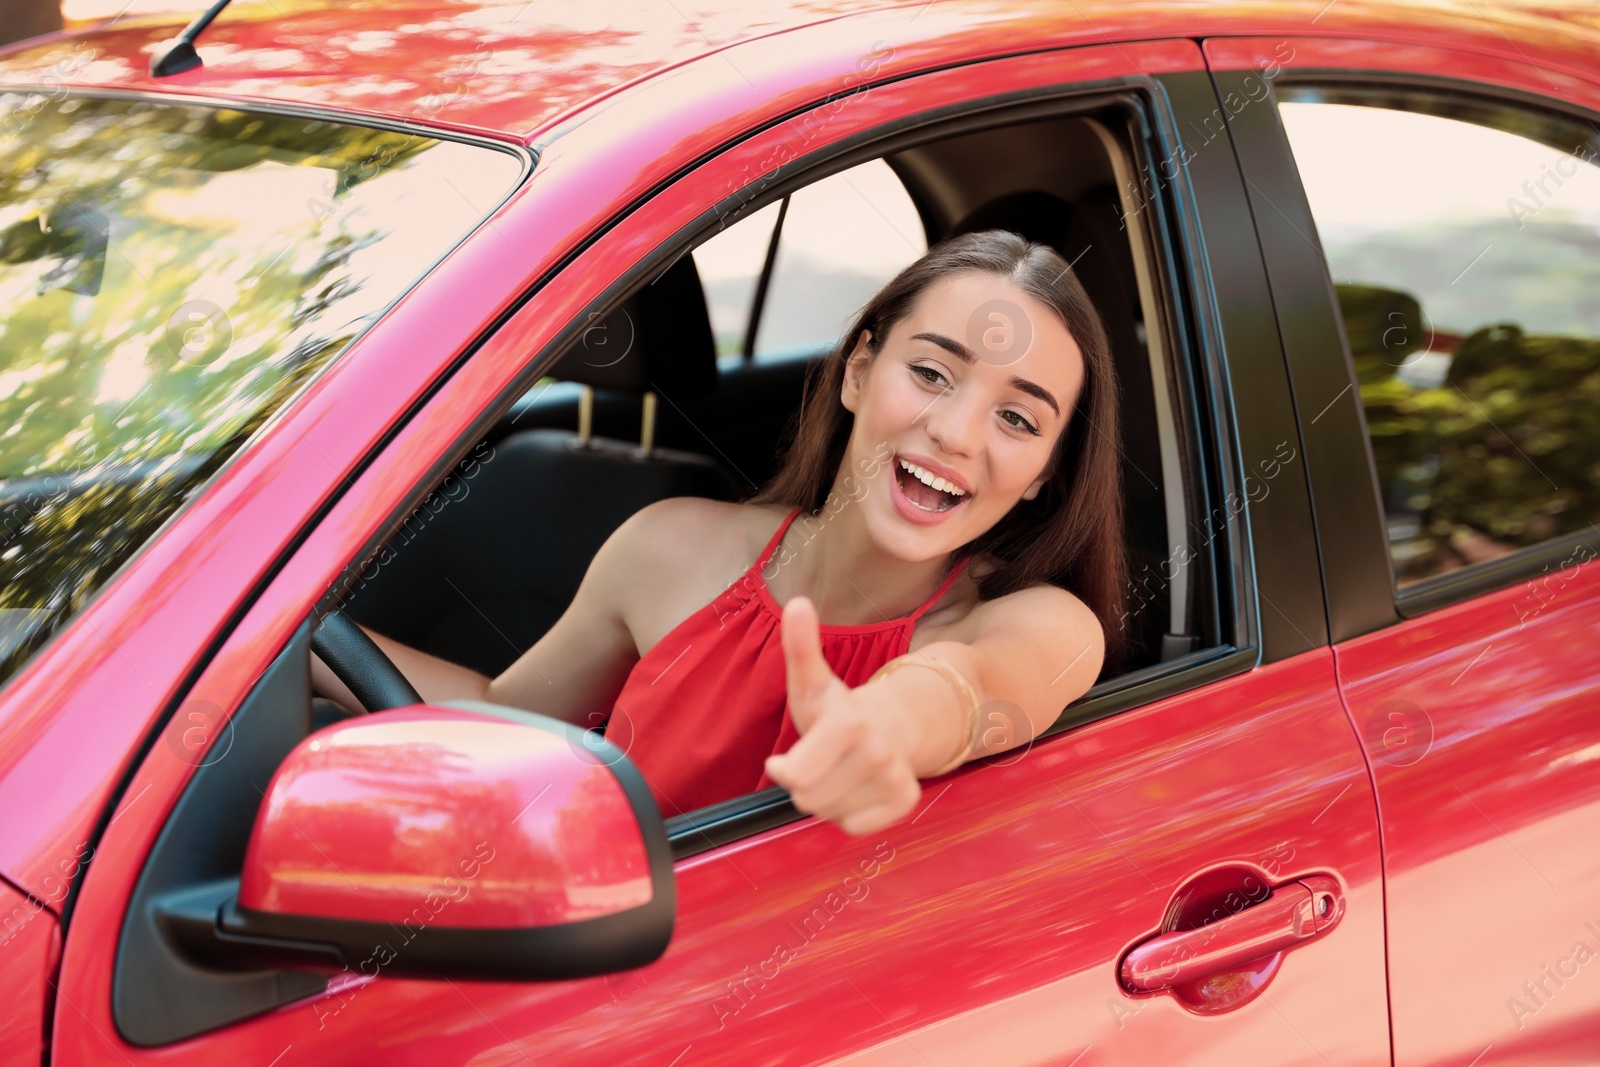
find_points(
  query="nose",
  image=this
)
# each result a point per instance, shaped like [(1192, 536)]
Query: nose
[(954, 421)]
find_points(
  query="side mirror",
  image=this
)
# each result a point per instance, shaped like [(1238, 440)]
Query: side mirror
[(467, 841)]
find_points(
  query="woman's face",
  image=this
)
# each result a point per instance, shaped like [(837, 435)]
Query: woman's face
[(970, 392)]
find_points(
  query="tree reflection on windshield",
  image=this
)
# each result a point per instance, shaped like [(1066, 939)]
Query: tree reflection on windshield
[(170, 276)]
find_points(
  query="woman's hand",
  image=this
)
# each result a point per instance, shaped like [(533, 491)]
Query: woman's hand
[(853, 762)]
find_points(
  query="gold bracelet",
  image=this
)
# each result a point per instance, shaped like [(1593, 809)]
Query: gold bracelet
[(959, 683)]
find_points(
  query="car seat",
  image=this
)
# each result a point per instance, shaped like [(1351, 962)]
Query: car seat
[(1089, 236), (491, 560)]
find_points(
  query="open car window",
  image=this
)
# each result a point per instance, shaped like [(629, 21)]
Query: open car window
[(488, 562), (170, 275)]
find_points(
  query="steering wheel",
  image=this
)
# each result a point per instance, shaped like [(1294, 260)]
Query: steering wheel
[(361, 665)]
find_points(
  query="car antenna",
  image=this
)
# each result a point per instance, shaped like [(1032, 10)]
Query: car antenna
[(179, 55)]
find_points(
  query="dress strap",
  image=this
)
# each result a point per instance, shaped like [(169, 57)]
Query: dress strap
[(772, 545), (944, 587)]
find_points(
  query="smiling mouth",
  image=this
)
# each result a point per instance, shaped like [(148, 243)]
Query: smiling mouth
[(926, 490)]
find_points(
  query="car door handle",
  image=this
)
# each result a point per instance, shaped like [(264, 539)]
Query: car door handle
[(1295, 914)]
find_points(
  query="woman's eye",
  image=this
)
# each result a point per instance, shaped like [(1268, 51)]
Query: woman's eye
[(1017, 420), (928, 374)]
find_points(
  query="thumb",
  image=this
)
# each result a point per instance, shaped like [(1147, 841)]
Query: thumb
[(806, 672)]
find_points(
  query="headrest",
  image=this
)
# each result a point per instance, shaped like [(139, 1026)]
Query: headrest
[(658, 340), (1090, 235), (1035, 215)]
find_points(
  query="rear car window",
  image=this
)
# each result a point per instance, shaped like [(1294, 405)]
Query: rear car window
[(1462, 238), (170, 275), (838, 241), (844, 238)]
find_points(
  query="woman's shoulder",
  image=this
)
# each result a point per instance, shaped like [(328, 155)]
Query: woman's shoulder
[(695, 533), (1042, 605), (676, 555), (1019, 631)]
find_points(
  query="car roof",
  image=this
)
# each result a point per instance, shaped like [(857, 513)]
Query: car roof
[(500, 68), (516, 67)]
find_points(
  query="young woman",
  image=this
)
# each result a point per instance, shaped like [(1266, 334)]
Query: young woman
[(950, 505)]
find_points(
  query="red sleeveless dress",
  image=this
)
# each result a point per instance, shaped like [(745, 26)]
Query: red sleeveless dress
[(703, 709)]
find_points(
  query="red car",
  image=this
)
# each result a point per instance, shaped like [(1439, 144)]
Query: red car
[(324, 314)]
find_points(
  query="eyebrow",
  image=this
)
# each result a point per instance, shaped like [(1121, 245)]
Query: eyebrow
[(964, 354)]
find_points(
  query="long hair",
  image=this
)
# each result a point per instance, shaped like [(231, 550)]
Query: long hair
[(1071, 534)]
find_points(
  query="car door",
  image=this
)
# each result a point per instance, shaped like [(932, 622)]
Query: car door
[(31, 940), (1456, 484), (1215, 797)]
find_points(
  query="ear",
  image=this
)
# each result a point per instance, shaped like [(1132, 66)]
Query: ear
[(1050, 467), (1038, 483), (855, 368)]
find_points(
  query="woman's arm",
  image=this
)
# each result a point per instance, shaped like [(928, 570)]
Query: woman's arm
[(1026, 656), (573, 672), (437, 680)]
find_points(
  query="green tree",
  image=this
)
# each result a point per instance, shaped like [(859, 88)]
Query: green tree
[(121, 387), (1502, 453)]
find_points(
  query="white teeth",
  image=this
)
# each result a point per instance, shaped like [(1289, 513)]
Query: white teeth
[(928, 478)]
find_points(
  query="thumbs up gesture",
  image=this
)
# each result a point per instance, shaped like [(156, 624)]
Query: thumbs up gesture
[(852, 764)]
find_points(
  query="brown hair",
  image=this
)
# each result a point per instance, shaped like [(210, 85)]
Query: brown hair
[(1071, 534)]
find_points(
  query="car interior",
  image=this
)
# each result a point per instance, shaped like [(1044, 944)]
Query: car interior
[(481, 579)]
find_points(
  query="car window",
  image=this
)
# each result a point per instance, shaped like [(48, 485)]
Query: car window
[(169, 276), (840, 240), (1463, 243), (477, 574), (479, 601), (730, 265)]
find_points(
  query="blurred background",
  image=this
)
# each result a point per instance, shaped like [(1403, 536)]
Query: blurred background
[(29, 18)]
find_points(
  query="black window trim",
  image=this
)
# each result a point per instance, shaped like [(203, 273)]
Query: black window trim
[(1351, 526)]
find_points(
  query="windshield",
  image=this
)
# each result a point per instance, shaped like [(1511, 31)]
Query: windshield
[(169, 276)]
